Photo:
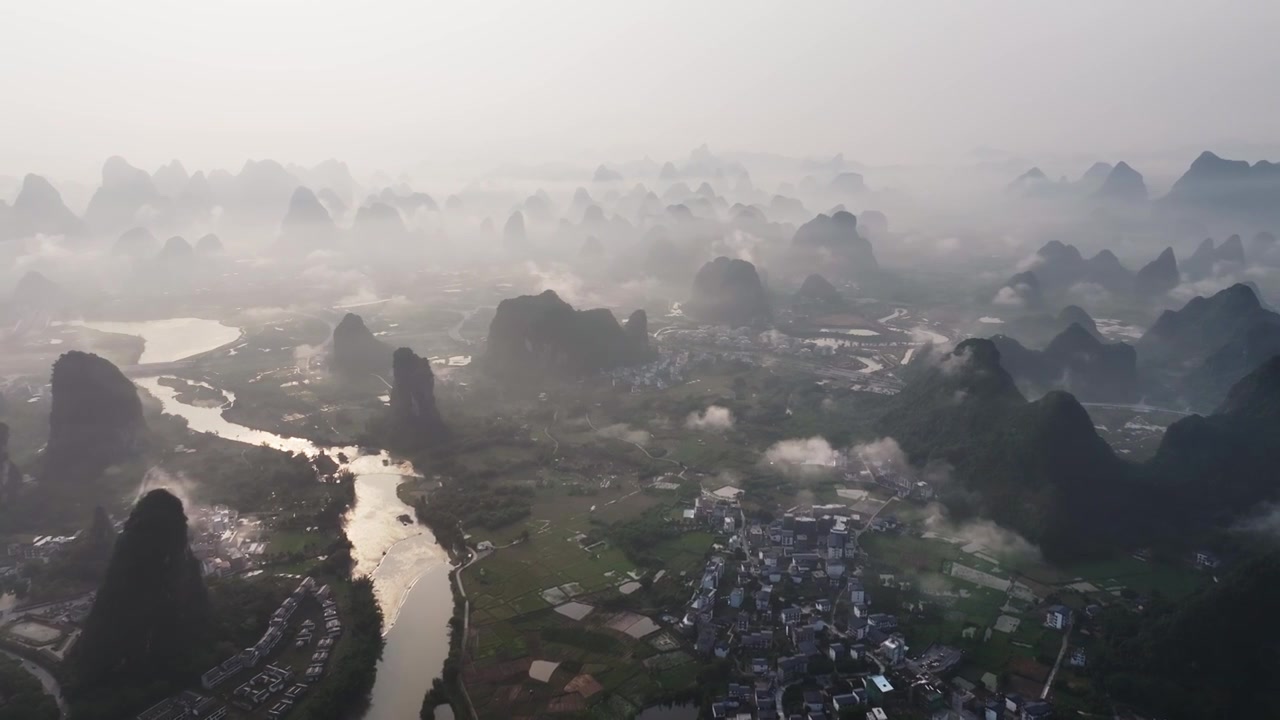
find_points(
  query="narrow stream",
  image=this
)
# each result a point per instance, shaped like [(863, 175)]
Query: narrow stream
[(410, 570)]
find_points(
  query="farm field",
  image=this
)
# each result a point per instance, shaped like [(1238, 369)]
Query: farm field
[(990, 603), (548, 630)]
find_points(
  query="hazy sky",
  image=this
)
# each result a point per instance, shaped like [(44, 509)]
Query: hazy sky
[(395, 83)]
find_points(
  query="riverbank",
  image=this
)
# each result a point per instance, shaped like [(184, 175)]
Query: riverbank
[(448, 690), (405, 564)]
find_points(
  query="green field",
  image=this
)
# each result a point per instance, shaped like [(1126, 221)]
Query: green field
[(1020, 659), (513, 625)]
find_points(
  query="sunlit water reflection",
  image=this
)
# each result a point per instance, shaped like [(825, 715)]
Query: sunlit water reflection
[(410, 570)]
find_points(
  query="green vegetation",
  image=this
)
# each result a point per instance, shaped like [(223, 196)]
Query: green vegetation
[(191, 393), (353, 668), (573, 551), (21, 695), (241, 608), (77, 570), (1210, 655)]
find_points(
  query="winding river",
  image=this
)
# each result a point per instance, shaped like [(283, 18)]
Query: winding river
[(410, 571)]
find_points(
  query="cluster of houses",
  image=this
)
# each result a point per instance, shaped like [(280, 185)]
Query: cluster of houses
[(186, 705), (218, 545), (668, 370), (785, 602), (273, 678), (36, 548), (902, 481)]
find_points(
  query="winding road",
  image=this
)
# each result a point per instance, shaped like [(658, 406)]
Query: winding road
[(642, 449), (45, 677), (466, 624)]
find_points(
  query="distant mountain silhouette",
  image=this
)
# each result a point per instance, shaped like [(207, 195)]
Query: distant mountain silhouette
[(1093, 178), (1059, 267), (1021, 291), (1041, 469), (1075, 361), (209, 245), (196, 199), (1207, 385), (408, 202), (1123, 184), (1105, 270), (873, 224), (136, 243), (332, 175), (119, 200), (1076, 315), (533, 336), (513, 232), (306, 224), (176, 251), (1212, 469), (728, 291), (416, 418), (170, 179), (35, 298), (333, 203), (259, 194), (1031, 184), (1038, 329), (537, 207), (1037, 467), (833, 243), (848, 183), (356, 352), (637, 329), (379, 222), (818, 294), (39, 209), (1203, 325), (1211, 343), (96, 419), (1158, 276), (605, 175), (1232, 190)]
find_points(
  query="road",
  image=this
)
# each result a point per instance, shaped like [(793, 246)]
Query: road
[(897, 313), (466, 625), (644, 450), (1062, 651), (46, 679)]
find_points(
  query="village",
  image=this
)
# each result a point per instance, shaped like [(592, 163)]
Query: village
[(815, 614), (800, 618), (261, 681)]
